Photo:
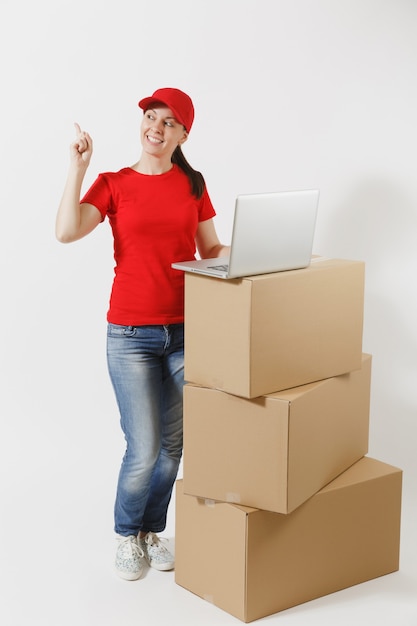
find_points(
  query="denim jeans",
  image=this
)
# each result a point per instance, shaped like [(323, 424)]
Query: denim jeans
[(146, 366)]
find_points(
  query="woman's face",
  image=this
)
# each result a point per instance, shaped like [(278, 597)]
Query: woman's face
[(161, 133)]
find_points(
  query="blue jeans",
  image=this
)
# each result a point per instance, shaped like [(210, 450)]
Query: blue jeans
[(146, 366)]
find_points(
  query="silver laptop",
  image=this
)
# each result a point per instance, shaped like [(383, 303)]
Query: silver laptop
[(272, 232)]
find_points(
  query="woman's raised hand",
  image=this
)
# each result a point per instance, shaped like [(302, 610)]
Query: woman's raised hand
[(82, 148)]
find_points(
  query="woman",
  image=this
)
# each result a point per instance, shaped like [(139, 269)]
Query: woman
[(160, 212)]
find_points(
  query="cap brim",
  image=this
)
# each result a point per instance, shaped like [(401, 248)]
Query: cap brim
[(145, 102)]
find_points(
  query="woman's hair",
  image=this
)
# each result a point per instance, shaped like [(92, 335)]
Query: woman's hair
[(196, 178)]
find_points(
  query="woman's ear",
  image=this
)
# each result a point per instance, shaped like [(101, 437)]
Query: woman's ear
[(183, 138)]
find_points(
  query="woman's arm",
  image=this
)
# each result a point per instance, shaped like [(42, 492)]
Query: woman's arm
[(207, 241), (75, 220)]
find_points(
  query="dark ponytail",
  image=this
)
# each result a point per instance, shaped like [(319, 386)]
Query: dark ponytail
[(196, 178)]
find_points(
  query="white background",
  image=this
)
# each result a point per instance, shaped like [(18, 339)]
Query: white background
[(288, 94)]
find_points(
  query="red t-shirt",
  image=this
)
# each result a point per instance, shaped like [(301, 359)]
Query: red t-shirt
[(154, 220)]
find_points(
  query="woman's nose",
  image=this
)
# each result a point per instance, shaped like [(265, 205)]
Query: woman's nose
[(157, 125)]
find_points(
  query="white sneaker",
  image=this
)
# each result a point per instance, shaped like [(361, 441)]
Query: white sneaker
[(129, 558), (156, 554)]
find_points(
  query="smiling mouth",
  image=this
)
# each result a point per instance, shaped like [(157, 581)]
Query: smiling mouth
[(153, 139)]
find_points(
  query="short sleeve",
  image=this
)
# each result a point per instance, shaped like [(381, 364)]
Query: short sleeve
[(99, 195), (206, 210)]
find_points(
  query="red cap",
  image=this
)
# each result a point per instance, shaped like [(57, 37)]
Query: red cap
[(180, 104)]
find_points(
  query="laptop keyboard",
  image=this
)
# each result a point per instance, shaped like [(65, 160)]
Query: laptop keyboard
[(219, 268)]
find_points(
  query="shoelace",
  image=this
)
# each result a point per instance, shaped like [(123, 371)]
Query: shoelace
[(131, 546), (152, 539)]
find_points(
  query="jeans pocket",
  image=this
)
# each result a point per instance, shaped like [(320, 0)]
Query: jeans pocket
[(118, 330)]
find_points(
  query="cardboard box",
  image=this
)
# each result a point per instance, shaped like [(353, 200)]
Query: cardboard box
[(261, 334), (253, 563), (276, 451)]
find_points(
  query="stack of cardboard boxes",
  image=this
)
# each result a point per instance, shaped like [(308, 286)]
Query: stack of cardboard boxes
[(279, 503)]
